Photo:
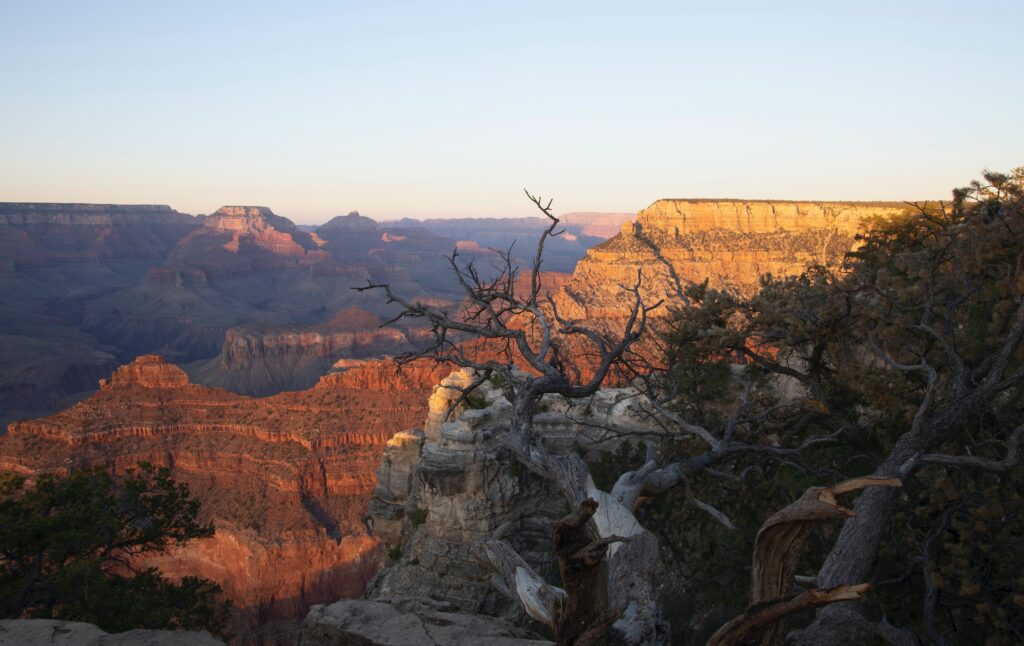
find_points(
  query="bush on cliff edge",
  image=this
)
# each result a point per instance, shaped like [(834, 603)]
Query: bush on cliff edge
[(68, 550)]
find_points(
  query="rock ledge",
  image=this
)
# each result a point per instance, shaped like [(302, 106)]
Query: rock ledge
[(51, 632), (404, 623)]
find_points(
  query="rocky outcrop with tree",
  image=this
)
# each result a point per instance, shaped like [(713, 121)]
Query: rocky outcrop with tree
[(902, 366)]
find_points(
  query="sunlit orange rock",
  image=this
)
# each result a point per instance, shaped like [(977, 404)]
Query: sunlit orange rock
[(285, 479), (729, 243)]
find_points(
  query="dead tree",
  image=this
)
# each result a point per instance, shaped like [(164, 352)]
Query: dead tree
[(528, 328), (609, 561), (915, 326)]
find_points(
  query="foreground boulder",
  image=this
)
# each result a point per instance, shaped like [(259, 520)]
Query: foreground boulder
[(406, 623), (50, 632)]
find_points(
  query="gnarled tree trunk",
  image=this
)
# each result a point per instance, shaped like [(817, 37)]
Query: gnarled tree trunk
[(777, 550)]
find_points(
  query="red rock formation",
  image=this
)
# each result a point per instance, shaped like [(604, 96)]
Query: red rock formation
[(550, 282), (147, 371), (241, 239), (285, 479), (731, 243), (262, 361)]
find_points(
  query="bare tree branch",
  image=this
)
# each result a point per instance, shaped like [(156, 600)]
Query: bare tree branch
[(1008, 462)]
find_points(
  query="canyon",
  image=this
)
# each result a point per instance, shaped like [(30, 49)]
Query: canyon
[(243, 297), (729, 243), (273, 398), (55, 258), (285, 479), (580, 232), (255, 361)]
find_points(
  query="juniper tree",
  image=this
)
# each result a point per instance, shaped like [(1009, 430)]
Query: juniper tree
[(69, 547)]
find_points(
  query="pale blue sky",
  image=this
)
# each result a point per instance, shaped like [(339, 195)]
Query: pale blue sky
[(450, 108)]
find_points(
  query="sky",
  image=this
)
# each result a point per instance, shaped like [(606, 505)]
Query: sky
[(450, 109)]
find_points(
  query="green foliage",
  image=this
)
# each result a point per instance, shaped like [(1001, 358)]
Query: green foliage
[(67, 544), (939, 284), (707, 566), (974, 562), (417, 517), (394, 552)]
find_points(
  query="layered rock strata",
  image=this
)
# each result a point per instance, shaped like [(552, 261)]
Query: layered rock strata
[(285, 479), (86, 287), (444, 489), (50, 235), (729, 243), (247, 274), (238, 239), (260, 362)]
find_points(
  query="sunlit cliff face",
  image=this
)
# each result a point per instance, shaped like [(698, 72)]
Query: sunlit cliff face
[(285, 479), (731, 243)]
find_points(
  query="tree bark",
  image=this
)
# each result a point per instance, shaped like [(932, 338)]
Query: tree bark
[(855, 550), (777, 550), (586, 618), (759, 619)]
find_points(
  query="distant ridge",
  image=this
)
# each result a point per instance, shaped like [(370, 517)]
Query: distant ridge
[(54, 206), (880, 203)]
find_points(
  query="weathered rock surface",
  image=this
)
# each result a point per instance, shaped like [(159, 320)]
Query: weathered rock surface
[(409, 623), (759, 216), (285, 479), (731, 243), (49, 632), (440, 492), (265, 361), (443, 490)]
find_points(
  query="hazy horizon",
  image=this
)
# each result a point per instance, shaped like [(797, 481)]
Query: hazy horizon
[(405, 110)]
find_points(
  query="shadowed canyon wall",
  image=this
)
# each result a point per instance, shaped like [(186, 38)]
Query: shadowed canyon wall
[(244, 297), (55, 258), (86, 287)]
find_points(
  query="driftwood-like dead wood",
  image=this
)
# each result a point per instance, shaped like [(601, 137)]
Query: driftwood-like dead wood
[(777, 550), (779, 542), (751, 626), (579, 615), (515, 578)]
